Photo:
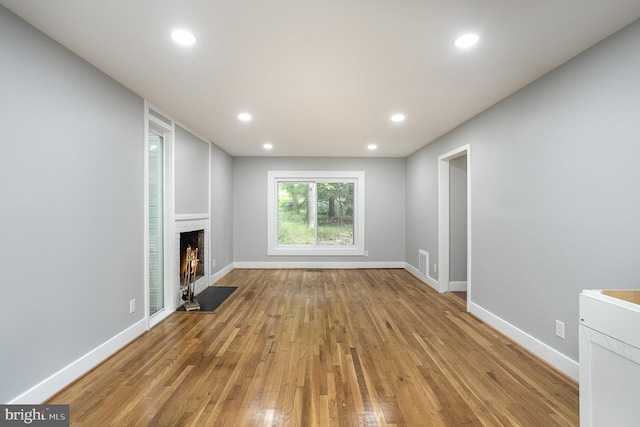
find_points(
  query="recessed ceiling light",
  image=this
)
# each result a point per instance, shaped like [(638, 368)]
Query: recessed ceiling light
[(244, 117), (466, 41), (267, 146), (372, 147), (397, 118), (183, 37)]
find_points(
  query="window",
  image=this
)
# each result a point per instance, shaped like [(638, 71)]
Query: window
[(316, 213), (156, 222), (159, 202)]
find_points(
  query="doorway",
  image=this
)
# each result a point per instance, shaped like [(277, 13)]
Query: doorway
[(454, 221)]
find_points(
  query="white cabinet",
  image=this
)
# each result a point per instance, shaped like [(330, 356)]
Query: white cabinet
[(609, 358)]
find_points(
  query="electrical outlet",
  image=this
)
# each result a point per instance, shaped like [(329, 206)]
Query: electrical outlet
[(435, 268), (132, 306), (366, 253), (560, 329), (213, 263)]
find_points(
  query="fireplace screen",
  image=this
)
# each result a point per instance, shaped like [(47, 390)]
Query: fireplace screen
[(191, 256)]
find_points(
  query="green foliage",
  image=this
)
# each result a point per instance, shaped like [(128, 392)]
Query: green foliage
[(335, 202), (292, 198), (299, 233), (334, 235), (295, 233), (332, 206)]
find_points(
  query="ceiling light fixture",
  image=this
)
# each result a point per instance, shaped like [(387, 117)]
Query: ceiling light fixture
[(466, 41), (372, 147), (267, 146), (244, 117), (183, 37), (397, 118)]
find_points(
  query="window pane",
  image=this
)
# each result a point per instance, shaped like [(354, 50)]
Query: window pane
[(316, 213), (296, 215), (335, 213), (156, 236)]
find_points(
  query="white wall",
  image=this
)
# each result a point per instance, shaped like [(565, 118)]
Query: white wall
[(555, 201), (71, 207)]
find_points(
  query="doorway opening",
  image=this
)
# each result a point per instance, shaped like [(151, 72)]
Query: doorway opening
[(454, 221)]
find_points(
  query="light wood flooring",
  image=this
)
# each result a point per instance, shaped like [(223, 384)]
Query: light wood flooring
[(324, 348)]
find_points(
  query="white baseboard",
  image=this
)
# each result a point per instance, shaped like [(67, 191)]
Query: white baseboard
[(426, 279), (65, 376), (458, 286), (220, 274), (553, 357), (345, 265)]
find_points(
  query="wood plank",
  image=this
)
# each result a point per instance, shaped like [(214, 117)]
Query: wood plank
[(632, 296), (324, 347)]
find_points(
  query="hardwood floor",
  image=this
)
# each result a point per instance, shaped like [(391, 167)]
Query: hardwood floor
[(332, 347)]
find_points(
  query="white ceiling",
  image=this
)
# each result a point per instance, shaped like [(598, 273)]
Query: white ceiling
[(321, 78)]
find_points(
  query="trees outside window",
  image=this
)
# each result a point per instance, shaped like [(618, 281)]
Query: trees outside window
[(316, 213)]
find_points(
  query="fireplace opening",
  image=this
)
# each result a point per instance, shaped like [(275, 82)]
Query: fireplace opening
[(191, 256)]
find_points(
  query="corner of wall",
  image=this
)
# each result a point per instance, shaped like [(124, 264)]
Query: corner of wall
[(426, 279)]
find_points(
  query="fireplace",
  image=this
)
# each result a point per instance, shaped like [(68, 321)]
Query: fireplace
[(191, 231), (191, 256)]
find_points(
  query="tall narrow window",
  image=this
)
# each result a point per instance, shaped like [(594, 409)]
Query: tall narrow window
[(316, 213), (156, 235)]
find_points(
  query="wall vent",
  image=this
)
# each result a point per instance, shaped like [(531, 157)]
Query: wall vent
[(423, 262)]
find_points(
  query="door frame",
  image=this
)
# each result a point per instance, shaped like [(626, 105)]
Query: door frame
[(154, 120), (444, 241)]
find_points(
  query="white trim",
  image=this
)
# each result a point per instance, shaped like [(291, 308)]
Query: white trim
[(585, 391), (443, 218), (210, 258), (145, 219), (336, 265), (553, 357), (428, 279), (171, 266), (443, 224), (168, 211), (220, 274), (358, 249), (159, 316), (458, 286), (65, 376), (190, 217)]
